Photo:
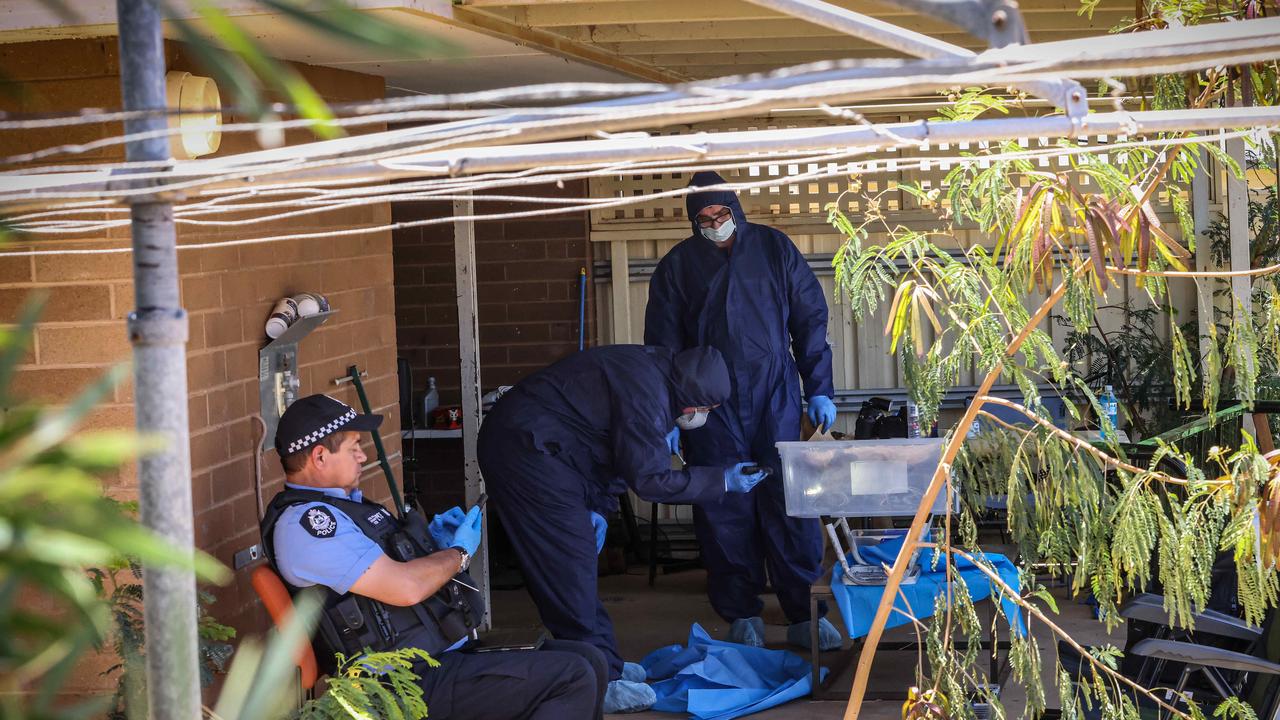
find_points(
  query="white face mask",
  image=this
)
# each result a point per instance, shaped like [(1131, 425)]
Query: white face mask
[(693, 420), (720, 234)]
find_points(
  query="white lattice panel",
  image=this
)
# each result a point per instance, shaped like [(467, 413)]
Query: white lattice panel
[(783, 198)]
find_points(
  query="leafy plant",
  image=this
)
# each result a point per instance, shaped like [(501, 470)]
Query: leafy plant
[(1109, 523), (55, 524), (242, 64), (120, 584), (373, 684), (1135, 358)]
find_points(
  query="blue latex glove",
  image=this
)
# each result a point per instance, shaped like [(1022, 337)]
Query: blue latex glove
[(467, 535), (822, 412), (443, 526), (601, 527), (737, 481), (673, 441)]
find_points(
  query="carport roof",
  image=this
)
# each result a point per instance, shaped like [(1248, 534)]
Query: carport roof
[(514, 42)]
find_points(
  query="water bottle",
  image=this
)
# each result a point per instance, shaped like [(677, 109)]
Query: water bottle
[(913, 420), (1110, 409), (430, 400)]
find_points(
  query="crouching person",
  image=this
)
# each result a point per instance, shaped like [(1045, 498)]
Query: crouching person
[(391, 584)]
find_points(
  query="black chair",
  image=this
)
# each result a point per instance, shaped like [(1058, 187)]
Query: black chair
[(1221, 657)]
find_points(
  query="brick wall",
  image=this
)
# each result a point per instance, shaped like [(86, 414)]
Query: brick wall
[(527, 296), (228, 293)]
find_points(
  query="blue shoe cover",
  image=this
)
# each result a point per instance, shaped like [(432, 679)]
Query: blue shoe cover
[(747, 631), (634, 672), (828, 636), (624, 696)]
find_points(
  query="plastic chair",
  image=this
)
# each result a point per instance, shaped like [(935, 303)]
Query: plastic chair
[(271, 590)]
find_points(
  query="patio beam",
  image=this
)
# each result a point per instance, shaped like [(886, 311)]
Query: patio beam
[(1068, 95), (713, 31), (558, 15), (498, 26), (785, 46)]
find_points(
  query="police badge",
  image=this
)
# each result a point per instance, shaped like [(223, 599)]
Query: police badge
[(319, 521)]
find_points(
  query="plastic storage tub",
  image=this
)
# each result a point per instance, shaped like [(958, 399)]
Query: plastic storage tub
[(860, 478)]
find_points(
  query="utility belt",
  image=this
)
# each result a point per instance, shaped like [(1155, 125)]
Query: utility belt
[(350, 623)]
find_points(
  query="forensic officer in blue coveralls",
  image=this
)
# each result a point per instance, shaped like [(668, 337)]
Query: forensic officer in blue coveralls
[(562, 445), (746, 290), (393, 583)]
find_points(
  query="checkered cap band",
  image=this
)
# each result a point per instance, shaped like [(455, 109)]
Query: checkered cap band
[(322, 432)]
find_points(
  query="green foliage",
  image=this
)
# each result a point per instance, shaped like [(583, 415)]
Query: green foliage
[(120, 585), (1129, 352), (378, 685), (56, 524), (1112, 527), (241, 64)]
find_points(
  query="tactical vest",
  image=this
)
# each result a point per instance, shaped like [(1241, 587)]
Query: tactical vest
[(350, 622)]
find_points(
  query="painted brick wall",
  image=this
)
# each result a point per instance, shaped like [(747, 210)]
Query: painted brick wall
[(527, 294), (228, 293)]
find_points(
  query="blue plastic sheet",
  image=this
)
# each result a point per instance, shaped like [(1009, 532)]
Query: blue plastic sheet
[(718, 680), (858, 603)]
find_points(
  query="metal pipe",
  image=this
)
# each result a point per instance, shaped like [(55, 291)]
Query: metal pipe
[(1131, 54), (582, 308), (709, 147), (1068, 95), (158, 333), (865, 27)]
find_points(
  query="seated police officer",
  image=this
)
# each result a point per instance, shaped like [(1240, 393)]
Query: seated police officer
[(394, 583)]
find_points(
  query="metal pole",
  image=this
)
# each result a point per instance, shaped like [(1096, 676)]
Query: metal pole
[(1068, 95), (158, 333)]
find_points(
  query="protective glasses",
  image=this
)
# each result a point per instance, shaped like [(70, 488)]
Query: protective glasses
[(707, 222)]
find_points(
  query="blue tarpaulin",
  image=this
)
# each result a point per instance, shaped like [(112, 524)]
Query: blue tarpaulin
[(858, 603), (718, 680)]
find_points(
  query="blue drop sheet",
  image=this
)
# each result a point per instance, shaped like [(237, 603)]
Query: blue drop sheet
[(717, 680)]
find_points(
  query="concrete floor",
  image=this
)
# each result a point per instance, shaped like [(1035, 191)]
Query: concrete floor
[(647, 618)]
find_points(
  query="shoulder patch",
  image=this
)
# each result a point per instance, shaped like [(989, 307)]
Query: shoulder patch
[(319, 521)]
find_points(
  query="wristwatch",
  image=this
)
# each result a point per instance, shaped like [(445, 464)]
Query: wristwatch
[(466, 559)]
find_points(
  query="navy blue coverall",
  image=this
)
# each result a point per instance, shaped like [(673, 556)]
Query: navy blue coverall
[(762, 307), (567, 441)]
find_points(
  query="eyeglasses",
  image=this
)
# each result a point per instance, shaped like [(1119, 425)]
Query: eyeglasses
[(706, 222)]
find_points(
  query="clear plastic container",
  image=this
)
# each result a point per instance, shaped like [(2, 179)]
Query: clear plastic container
[(860, 478)]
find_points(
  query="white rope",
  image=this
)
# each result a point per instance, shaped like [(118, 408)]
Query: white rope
[(377, 194), (596, 204)]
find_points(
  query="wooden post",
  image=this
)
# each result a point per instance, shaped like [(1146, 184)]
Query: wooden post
[(621, 292), (1200, 184), (1238, 226), (464, 255)]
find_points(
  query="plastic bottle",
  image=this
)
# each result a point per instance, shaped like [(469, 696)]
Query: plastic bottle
[(1110, 408), (913, 420), (430, 400)]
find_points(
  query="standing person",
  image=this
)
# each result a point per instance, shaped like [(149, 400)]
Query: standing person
[(746, 290), (392, 582), (560, 447)]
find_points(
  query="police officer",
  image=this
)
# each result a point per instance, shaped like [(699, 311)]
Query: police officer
[(392, 583)]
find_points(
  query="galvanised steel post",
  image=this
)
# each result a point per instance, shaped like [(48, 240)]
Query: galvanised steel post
[(158, 333)]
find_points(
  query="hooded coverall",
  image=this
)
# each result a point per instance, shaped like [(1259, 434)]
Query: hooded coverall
[(566, 442), (760, 304)]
